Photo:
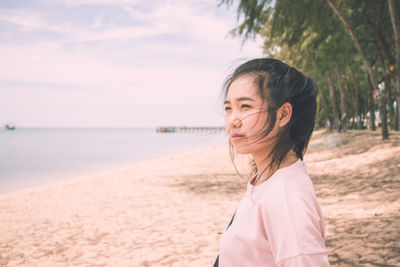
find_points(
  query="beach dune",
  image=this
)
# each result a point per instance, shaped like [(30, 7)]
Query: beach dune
[(171, 211)]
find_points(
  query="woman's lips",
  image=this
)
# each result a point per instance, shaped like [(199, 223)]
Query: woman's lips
[(235, 137)]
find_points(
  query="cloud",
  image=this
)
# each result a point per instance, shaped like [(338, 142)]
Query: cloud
[(126, 58), (98, 30), (21, 18), (46, 63), (96, 2), (185, 20)]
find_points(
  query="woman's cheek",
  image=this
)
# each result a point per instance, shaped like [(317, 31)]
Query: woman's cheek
[(227, 126)]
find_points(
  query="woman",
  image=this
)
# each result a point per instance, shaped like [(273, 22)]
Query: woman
[(269, 113)]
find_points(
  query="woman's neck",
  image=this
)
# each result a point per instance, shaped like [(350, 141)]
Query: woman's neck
[(265, 170)]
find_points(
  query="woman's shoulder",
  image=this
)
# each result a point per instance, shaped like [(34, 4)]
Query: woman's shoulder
[(291, 197), (288, 185), (293, 177)]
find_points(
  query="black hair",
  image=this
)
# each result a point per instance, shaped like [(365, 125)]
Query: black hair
[(278, 83)]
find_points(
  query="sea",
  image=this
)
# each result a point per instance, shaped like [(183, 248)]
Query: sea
[(34, 156)]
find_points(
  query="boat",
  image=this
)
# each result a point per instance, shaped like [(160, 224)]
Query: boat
[(9, 127)]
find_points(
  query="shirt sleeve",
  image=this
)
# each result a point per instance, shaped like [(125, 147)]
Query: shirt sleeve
[(312, 260), (294, 224)]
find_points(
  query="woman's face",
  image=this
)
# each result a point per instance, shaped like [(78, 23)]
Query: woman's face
[(245, 117)]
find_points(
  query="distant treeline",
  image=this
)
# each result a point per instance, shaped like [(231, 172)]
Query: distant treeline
[(351, 48)]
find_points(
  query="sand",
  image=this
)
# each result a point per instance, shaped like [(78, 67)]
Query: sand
[(172, 211)]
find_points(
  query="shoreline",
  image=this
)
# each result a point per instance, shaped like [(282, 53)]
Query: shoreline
[(107, 170), (31, 157)]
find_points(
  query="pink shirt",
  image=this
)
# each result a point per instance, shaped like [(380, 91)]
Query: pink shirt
[(277, 223)]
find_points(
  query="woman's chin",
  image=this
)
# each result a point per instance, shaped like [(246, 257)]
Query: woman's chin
[(241, 149)]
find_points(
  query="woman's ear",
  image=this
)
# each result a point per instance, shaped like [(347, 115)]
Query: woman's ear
[(284, 114)]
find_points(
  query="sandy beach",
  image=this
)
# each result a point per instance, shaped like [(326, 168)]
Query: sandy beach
[(171, 211)]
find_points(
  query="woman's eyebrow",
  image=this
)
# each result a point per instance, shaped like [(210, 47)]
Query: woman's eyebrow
[(240, 99)]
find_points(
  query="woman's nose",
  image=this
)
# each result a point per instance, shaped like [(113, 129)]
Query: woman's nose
[(237, 123), (234, 121)]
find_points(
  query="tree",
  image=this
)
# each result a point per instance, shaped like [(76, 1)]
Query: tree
[(335, 41), (367, 66)]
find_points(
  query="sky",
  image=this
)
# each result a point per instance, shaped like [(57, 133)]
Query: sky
[(116, 63)]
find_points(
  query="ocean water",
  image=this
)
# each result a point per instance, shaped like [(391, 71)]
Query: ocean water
[(34, 156)]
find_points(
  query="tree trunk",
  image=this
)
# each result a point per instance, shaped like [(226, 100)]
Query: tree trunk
[(371, 107), (326, 111), (355, 106), (397, 116), (365, 109), (343, 118), (391, 101), (383, 99), (356, 112), (383, 116), (333, 103)]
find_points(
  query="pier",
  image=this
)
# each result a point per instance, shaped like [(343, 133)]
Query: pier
[(185, 129)]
